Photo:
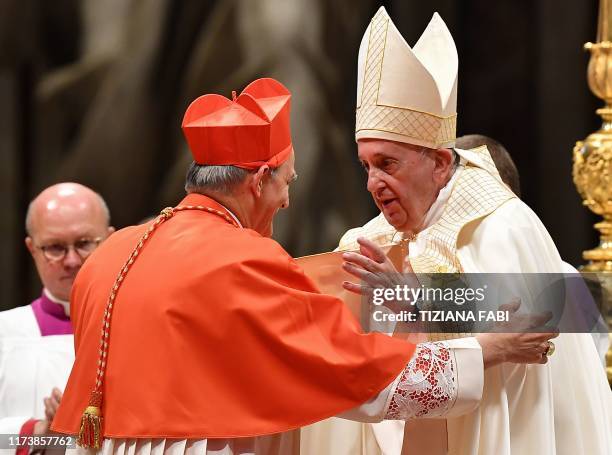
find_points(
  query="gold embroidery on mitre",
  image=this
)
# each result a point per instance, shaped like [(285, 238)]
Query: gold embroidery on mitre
[(371, 115)]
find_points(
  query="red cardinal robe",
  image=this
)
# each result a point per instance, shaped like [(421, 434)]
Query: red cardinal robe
[(216, 333)]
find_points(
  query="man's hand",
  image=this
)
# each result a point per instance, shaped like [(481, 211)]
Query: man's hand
[(375, 270), (41, 427), (531, 346), (52, 403), (505, 344)]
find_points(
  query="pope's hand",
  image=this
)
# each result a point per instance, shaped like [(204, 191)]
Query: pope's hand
[(375, 270), (522, 339)]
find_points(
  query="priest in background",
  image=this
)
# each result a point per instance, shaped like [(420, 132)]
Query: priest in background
[(64, 224)]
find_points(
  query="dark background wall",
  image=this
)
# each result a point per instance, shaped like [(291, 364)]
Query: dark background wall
[(94, 92)]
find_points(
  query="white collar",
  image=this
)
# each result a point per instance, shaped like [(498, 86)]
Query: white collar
[(63, 303)]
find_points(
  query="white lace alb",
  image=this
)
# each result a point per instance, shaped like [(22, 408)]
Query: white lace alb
[(427, 386)]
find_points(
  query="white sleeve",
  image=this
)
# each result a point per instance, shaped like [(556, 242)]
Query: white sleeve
[(442, 379), (12, 425)]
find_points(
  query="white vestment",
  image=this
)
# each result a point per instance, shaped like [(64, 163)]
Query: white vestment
[(563, 407), (30, 366)]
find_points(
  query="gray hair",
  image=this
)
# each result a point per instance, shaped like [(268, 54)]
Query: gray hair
[(455, 156), (456, 159), (223, 179)]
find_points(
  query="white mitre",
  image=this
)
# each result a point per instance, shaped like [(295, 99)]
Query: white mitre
[(403, 94)]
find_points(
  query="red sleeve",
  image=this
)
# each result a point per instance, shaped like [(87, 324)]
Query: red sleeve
[(27, 429)]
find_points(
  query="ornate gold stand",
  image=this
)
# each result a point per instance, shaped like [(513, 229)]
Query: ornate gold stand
[(593, 165)]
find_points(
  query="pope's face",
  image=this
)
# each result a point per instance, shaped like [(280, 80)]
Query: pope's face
[(274, 195), (402, 180)]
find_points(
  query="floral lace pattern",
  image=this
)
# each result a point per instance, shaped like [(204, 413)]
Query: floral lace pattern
[(427, 386)]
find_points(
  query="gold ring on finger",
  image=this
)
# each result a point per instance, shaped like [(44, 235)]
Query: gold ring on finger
[(550, 349)]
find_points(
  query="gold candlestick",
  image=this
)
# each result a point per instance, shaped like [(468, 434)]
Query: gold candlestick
[(592, 170)]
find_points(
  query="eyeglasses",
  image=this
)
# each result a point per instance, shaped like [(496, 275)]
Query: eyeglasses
[(57, 251)]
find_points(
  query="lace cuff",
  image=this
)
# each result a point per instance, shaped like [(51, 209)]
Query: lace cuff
[(428, 385)]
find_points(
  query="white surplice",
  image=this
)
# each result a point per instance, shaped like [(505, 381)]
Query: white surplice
[(30, 366)]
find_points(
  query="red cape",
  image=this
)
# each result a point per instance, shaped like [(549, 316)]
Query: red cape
[(216, 333)]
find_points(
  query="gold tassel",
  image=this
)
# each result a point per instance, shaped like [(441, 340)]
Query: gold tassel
[(90, 433)]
